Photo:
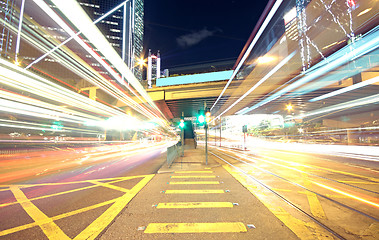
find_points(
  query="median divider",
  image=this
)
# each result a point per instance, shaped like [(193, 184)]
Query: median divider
[(173, 153)]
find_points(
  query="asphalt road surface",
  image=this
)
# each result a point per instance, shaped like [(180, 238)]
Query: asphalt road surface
[(67, 193)]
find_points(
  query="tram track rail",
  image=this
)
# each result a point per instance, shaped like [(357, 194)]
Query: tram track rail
[(285, 199), (312, 174)]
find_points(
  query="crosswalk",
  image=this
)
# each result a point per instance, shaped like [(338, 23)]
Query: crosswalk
[(179, 183)]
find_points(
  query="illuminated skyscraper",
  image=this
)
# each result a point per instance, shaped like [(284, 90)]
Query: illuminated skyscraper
[(123, 28), (6, 37)]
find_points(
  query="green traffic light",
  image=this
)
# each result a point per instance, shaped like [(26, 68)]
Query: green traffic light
[(181, 125), (201, 119)]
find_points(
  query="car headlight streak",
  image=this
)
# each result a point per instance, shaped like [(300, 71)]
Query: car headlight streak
[(77, 16), (16, 77)]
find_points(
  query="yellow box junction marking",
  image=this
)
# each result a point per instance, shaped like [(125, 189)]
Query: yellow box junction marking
[(314, 203), (193, 191), (97, 226), (193, 176), (30, 225), (110, 186), (65, 183), (64, 192), (195, 205), (195, 227), (192, 182), (302, 229), (52, 231), (194, 172)]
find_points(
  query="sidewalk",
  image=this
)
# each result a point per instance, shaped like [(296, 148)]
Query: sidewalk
[(192, 200), (193, 159)]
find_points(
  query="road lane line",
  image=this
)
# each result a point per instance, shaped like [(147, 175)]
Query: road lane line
[(193, 176), (195, 205), (51, 230), (107, 185), (193, 172), (195, 227), (194, 191), (192, 182), (97, 226)]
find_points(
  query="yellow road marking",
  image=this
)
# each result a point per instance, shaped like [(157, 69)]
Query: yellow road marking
[(196, 205), (314, 203), (97, 226), (281, 190), (64, 183), (328, 195), (193, 191), (192, 182), (195, 227), (51, 230), (110, 186), (60, 193), (194, 172), (193, 176), (30, 225), (304, 230)]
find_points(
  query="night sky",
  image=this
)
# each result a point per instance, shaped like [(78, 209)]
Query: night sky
[(193, 32)]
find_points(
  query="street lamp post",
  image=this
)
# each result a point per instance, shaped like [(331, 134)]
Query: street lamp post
[(220, 130), (206, 143)]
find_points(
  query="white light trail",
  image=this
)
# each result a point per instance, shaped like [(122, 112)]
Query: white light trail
[(72, 37), (269, 74), (101, 82), (252, 44), (19, 29), (354, 103), (370, 42), (37, 126), (346, 89), (24, 80), (25, 109), (72, 10)]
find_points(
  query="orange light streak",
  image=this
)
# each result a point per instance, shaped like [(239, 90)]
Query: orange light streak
[(375, 204)]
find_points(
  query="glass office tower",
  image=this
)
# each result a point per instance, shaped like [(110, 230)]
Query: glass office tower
[(6, 36), (123, 28)]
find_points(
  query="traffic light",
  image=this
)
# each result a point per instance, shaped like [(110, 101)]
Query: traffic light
[(208, 115), (201, 117), (181, 124)]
